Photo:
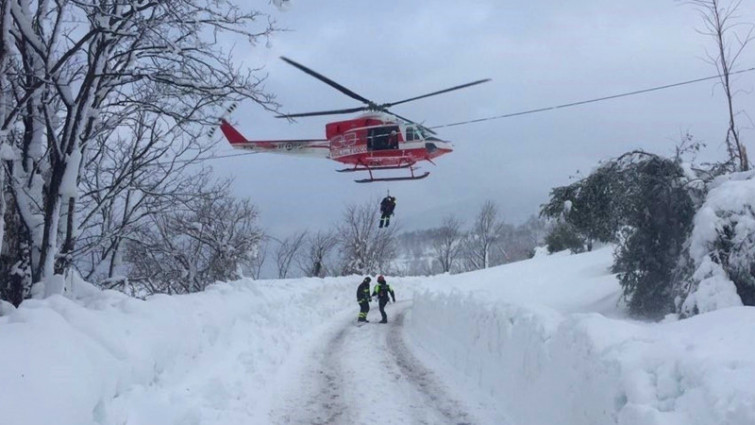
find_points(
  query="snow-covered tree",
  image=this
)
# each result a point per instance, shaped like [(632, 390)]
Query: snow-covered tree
[(6, 152), (288, 250), (645, 204), (258, 258), (203, 239), (144, 169), (478, 243), (447, 243), (591, 206), (656, 216), (720, 268), (313, 260), (80, 68)]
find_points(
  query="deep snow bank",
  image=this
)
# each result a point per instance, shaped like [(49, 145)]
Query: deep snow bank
[(203, 358), (559, 364)]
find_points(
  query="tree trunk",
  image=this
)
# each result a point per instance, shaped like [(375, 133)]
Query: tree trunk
[(65, 259), (45, 267)]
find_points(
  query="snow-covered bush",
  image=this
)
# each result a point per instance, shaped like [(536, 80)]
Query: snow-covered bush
[(564, 236), (721, 248)]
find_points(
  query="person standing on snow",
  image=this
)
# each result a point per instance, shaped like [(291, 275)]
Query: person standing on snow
[(382, 289), (363, 298), (386, 209)]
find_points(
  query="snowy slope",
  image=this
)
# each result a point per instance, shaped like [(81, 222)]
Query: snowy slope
[(542, 341)]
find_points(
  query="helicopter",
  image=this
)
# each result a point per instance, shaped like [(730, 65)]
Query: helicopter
[(374, 141)]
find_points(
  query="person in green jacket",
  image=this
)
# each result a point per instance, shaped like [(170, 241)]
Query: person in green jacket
[(381, 291)]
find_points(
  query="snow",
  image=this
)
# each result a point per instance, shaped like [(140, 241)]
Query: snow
[(282, 5), (69, 187), (714, 291), (734, 192), (6, 308), (6, 151), (543, 341), (730, 204)]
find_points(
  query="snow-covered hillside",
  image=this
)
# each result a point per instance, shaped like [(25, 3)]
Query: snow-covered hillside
[(542, 341)]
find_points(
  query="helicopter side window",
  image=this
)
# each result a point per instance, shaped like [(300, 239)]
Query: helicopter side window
[(382, 138)]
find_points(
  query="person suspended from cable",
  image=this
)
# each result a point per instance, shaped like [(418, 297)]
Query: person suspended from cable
[(387, 205)]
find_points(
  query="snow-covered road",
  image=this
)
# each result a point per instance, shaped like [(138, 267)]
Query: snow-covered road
[(366, 374), (538, 342)]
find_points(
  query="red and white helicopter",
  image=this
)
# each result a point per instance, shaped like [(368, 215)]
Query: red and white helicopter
[(376, 140)]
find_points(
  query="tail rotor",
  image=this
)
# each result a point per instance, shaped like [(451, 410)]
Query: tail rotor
[(232, 107)]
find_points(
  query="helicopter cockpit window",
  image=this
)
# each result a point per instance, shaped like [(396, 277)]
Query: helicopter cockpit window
[(415, 133), (412, 134), (382, 138)]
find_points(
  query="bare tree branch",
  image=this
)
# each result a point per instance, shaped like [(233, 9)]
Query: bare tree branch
[(722, 22)]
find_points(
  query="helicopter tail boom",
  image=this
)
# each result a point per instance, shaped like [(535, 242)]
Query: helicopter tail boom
[(301, 147)]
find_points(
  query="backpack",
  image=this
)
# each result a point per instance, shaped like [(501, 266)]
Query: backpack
[(383, 290)]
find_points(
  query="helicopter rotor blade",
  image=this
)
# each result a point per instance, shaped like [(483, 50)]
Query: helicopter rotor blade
[(328, 81), (333, 112), (388, 105)]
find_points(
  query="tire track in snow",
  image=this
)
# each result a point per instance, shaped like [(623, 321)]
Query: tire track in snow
[(356, 372), (324, 405), (423, 379)]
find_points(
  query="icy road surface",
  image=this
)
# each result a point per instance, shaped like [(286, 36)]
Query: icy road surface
[(365, 375)]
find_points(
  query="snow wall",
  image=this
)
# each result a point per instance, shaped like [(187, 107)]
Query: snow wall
[(553, 368), (208, 358)]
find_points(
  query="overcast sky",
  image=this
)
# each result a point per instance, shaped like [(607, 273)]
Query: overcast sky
[(538, 54)]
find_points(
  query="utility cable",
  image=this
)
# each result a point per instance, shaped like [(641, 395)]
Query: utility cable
[(583, 102)]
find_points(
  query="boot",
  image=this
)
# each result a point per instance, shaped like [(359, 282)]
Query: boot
[(384, 321)]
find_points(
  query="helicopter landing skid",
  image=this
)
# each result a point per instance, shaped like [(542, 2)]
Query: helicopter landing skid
[(394, 179), (395, 167)]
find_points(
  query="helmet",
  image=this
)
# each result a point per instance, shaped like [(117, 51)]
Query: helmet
[(367, 279), (381, 278)]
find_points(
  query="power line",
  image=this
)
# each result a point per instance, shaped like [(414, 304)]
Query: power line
[(205, 158), (231, 155), (582, 102)]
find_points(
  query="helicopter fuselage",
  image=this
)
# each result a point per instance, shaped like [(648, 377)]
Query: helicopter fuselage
[(373, 141)]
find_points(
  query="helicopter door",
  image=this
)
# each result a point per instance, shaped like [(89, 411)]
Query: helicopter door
[(382, 138)]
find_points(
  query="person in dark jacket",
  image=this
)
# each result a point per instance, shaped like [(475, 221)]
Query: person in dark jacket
[(363, 298), (381, 291), (386, 209)]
